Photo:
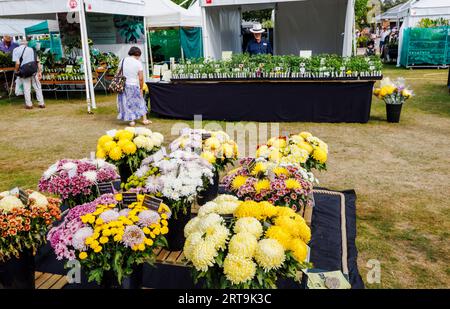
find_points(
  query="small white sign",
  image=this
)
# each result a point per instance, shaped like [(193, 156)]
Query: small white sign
[(306, 53), (227, 55)]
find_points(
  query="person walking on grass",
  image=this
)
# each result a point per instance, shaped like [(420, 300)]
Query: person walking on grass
[(23, 55), (130, 102)]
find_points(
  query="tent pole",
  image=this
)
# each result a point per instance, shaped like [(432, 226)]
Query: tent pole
[(146, 46), (85, 68), (88, 54), (205, 34), (149, 42)]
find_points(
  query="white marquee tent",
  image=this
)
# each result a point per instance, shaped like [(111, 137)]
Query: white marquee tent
[(322, 26), (165, 13), (16, 27)]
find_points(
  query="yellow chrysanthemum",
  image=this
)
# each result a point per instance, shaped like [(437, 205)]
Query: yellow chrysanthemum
[(115, 153), (262, 185), (217, 234), (238, 182), (237, 269), (209, 156), (299, 249), (269, 254), (279, 143), (280, 171), (275, 155), (248, 225), (259, 167), (212, 143), (320, 155), (108, 146), (262, 151), (103, 140), (297, 139), (280, 234), (100, 154), (243, 244), (124, 135), (203, 255), (82, 255), (305, 135), (247, 209), (129, 148), (306, 146), (292, 184), (285, 211), (267, 210), (228, 150), (294, 224)]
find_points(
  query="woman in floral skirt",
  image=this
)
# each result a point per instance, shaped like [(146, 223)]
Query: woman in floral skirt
[(130, 102)]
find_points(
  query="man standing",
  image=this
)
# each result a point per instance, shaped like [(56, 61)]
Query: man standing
[(384, 33), (21, 56), (7, 45), (258, 45)]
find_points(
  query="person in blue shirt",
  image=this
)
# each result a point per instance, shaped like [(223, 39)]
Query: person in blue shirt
[(258, 45), (7, 45)]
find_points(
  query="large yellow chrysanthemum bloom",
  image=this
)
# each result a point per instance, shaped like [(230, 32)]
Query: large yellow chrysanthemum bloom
[(267, 210), (109, 145), (262, 185), (299, 249), (100, 154), (279, 143), (124, 134), (269, 254), (275, 155), (129, 148), (306, 146), (280, 171), (228, 151), (262, 151), (238, 182), (237, 269), (305, 134), (242, 244), (285, 211), (293, 224), (102, 140), (259, 167), (297, 139), (292, 184), (203, 255), (212, 143), (320, 155), (280, 234), (248, 209), (115, 153), (209, 156), (218, 235), (249, 225)]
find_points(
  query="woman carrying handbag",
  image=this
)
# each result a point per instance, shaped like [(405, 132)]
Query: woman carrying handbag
[(129, 83)]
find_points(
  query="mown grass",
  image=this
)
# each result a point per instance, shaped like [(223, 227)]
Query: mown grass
[(399, 171)]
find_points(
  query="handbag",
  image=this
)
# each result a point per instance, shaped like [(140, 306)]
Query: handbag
[(28, 69), (118, 82)]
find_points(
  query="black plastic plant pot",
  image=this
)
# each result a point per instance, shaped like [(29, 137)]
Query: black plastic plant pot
[(175, 237), (210, 192), (133, 281), (125, 172), (18, 273), (393, 112)]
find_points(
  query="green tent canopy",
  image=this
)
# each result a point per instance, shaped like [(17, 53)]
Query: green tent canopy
[(51, 28)]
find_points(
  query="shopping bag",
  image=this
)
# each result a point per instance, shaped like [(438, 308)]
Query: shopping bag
[(19, 86)]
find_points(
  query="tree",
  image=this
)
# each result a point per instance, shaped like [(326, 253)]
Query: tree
[(361, 10), (387, 4)]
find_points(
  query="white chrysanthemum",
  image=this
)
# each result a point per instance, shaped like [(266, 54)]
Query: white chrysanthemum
[(10, 202), (140, 141), (217, 234), (206, 209), (109, 215), (238, 269), (143, 131), (51, 171), (79, 238), (227, 207), (203, 255), (191, 242), (191, 226), (269, 254), (111, 133), (39, 199), (243, 244), (91, 176), (149, 143), (250, 225), (158, 138), (225, 198), (131, 129), (209, 220), (69, 166)]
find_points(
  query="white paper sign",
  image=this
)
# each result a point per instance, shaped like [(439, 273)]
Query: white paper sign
[(306, 53), (227, 55)]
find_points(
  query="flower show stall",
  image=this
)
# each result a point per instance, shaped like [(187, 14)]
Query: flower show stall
[(46, 34)]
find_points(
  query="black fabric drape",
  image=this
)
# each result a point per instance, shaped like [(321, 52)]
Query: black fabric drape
[(264, 101)]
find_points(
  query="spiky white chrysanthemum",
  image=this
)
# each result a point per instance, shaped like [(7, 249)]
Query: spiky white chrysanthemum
[(250, 225), (209, 207), (243, 244), (269, 254), (238, 269)]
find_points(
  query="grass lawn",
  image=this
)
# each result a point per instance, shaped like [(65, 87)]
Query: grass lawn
[(399, 171)]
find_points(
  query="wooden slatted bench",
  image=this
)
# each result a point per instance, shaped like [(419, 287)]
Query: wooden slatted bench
[(49, 281)]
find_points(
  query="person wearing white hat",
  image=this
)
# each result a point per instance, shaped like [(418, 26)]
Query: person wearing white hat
[(258, 45)]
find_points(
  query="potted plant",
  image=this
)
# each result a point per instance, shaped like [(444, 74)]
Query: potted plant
[(75, 180), (111, 241), (246, 244), (394, 94), (25, 217), (176, 179), (127, 148), (216, 147)]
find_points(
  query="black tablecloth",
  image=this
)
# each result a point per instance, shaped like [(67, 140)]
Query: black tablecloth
[(264, 101), (326, 249)]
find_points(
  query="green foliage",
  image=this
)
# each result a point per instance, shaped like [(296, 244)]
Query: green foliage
[(433, 23), (361, 11), (6, 60), (257, 16)]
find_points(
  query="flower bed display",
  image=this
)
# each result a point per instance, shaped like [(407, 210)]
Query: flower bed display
[(244, 66), (215, 146), (109, 239), (75, 180), (24, 220), (127, 148), (308, 151), (253, 246), (280, 184)]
